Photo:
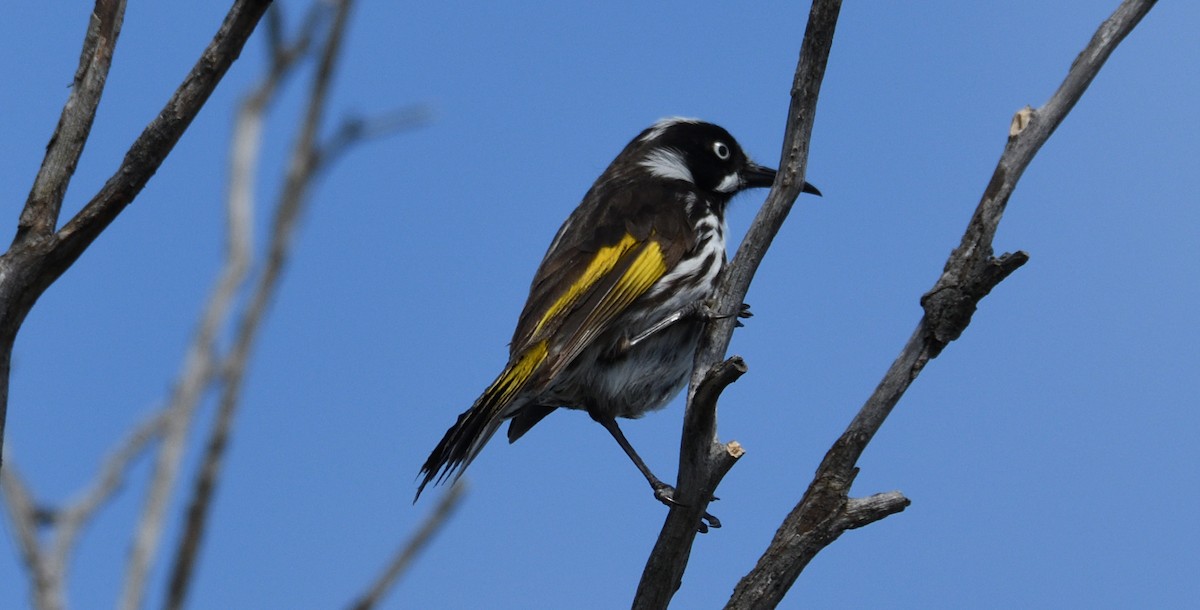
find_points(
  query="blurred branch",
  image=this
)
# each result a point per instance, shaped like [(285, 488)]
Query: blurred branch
[(826, 511), (233, 367), (47, 558), (703, 460), (48, 590), (202, 364), (411, 548), (309, 157), (38, 257), (356, 130)]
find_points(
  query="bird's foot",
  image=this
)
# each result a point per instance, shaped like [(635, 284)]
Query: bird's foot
[(666, 494), (707, 310)]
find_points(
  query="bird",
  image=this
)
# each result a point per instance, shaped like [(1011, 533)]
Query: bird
[(620, 299)]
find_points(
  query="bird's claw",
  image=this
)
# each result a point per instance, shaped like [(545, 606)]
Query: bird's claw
[(743, 312), (666, 494)]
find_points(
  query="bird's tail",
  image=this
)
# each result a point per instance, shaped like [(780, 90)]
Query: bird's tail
[(475, 426)]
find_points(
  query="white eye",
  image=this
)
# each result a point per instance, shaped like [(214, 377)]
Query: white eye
[(721, 150)]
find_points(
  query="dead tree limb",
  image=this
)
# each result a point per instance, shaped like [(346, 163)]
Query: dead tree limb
[(703, 460), (39, 255), (971, 272)]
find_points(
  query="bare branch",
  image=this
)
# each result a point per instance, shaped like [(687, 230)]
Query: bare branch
[(70, 521), (23, 514), (825, 511), (30, 266), (47, 557), (40, 215), (865, 511), (157, 140), (295, 194), (701, 461), (355, 130), (410, 549), (200, 364)]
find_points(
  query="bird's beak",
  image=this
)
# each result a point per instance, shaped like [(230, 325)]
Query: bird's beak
[(757, 175)]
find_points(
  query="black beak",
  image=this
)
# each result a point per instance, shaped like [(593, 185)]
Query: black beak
[(757, 175)]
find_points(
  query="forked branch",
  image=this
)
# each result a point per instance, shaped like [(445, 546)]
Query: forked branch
[(826, 511), (703, 460)]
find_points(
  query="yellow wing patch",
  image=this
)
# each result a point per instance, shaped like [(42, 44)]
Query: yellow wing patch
[(646, 269), (506, 386), (606, 258)]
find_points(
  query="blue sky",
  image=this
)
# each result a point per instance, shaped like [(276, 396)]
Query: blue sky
[(1049, 453)]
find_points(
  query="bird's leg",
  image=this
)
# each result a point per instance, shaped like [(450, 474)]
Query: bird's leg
[(663, 492), (678, 315), (701, 308)]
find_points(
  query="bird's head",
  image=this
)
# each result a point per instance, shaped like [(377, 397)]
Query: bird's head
[(700, 153)]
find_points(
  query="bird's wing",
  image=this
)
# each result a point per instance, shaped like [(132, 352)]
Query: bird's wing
[(603, 259)]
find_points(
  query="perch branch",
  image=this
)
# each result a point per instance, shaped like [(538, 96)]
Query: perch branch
[(826, 511), (703, 460)]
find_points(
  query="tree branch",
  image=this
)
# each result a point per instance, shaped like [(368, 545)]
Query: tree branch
[(32, 265), (154, 144), (409, 551), (200, 364), (23, 514), (703, 460), (47, 558), (40, 215), (826, 511), (302, 171), (21, 266)]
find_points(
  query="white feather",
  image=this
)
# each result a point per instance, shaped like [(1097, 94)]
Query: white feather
[(662, 125), (667, 163), (730, 183)]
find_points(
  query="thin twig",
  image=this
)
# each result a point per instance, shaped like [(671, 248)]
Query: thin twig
[(355, 130), (826, 511), (411, 548), (47, 557), (70, 521), (199, 366), (296, 190), (703, 460), (48, 593)]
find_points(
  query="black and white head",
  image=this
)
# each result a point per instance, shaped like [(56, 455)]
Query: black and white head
[(699, 153)]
